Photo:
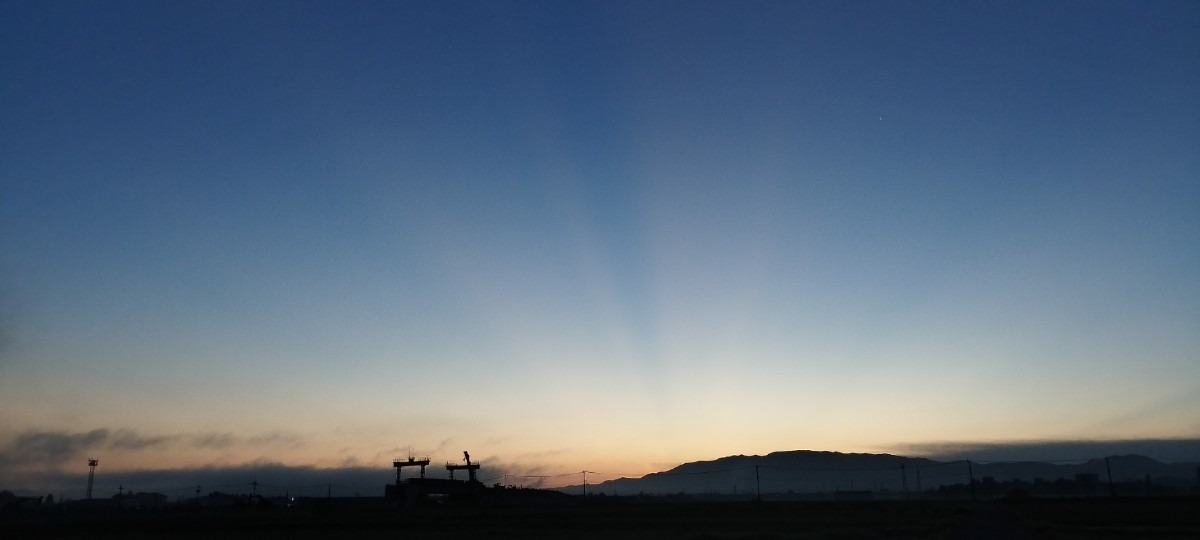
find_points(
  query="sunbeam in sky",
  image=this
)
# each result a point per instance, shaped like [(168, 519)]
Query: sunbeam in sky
[(593, 234)]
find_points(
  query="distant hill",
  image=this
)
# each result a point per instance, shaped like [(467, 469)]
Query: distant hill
[(807, 471)]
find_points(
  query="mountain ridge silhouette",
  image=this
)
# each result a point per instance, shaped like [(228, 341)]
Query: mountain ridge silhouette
[(812, 471)]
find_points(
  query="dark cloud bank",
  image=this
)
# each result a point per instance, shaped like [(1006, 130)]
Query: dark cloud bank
[(40, 462), (1164, 450), (41, 449), (272, 479)]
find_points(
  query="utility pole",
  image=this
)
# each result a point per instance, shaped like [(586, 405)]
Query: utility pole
[(1112, 491), (329, 491), (585, 483), (197, 493), (757, 485), (971, 474)]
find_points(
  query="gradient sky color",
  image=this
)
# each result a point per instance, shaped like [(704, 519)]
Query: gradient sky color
[(595, 234)]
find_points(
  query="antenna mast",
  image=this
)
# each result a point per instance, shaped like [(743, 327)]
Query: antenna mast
[(92, 462)]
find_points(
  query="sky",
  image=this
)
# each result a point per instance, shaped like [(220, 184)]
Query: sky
[(592, 235)]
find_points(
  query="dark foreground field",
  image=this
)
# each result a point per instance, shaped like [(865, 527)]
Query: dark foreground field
[(1037, 518), (1108, 518)]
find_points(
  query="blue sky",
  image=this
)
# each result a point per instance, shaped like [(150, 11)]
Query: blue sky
[(631, 233)]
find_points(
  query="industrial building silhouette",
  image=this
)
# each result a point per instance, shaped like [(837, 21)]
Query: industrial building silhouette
[(415, 489)]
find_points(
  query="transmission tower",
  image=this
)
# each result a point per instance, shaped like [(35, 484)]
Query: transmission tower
[(92, 462)]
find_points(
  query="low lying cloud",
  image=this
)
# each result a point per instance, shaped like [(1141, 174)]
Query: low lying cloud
[(1165, 450), (272, 478), (291, 440), (213, 440), (47, 447), (125, 439), (526, 470), (36, 462), (50, 449)]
